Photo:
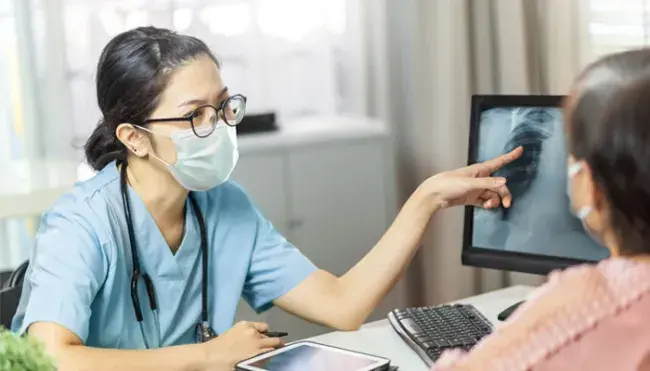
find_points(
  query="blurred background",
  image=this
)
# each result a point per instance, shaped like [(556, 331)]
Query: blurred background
[(356, 102)]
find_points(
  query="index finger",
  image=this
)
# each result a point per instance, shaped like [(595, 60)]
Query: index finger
[(490, 166)]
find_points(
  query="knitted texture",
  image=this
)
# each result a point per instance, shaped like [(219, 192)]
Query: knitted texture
[(561, 312)]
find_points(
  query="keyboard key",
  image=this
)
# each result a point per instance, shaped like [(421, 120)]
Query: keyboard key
[(411, 326), (428, 345)]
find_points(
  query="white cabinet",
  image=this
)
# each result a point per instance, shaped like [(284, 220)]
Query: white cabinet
[(330, 192), (263, 175), (338, 201)]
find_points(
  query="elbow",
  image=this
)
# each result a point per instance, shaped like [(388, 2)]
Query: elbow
[(345, 323), (349, 327), (343, 312)]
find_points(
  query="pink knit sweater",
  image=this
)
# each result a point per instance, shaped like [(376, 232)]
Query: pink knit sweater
[(585, 318)]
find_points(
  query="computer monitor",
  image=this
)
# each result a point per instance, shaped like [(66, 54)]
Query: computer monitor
[(538, 233)]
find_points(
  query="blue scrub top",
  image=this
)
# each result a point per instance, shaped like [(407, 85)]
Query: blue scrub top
[(80, 270)]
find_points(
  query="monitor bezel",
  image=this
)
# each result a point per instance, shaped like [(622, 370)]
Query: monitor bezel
[(496, 259)]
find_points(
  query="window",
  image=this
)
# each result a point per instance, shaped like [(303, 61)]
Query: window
[(616, 25), (295, 57), (11, 129), (10, 101)]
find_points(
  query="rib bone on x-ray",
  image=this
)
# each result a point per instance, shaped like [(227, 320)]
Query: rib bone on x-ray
[(540, 219)]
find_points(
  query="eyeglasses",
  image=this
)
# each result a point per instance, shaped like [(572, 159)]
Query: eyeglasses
[(205, 119)]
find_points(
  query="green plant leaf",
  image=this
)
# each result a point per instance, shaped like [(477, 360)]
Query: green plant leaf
[(23, 353)]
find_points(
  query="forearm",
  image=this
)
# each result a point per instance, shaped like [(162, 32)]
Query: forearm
[(177, 358), (370, 280)]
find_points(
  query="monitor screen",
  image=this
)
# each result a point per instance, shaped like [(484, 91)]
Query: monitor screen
[(538, 232)]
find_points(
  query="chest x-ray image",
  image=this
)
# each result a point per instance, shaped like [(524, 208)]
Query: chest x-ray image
[(540, 219)]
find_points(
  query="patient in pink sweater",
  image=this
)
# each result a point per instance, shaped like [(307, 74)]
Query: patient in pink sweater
[(592, 317)]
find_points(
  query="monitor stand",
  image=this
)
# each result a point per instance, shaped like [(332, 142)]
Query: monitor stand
[(508, 311)]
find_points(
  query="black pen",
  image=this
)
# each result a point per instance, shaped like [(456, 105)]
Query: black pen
[(276, 334)]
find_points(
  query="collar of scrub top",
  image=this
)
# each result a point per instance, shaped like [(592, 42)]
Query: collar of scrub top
[(203, 330)]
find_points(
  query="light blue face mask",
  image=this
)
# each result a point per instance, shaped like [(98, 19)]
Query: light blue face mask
[(203, 163), (584, 211)]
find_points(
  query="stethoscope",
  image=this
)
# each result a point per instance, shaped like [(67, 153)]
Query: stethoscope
[(203, 330)]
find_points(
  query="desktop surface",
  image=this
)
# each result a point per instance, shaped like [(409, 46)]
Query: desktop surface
[(380, 339)]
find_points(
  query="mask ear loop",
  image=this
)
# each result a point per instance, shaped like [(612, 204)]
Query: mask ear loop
[(160, 160), (151, 153), (585, 210), (574, 169)]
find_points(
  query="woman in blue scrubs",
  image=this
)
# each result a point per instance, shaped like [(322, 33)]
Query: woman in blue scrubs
[(154, 252)]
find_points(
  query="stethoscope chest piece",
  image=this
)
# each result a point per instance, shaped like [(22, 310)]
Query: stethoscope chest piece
[(204, 332)]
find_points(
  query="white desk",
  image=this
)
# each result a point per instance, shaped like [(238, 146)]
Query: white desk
[(379, 338)]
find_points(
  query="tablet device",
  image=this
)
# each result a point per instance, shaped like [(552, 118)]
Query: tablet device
[(306, 355)]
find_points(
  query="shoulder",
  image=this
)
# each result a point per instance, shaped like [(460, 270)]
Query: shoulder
[(81, 215), (555, 313), (85, 193), (567, 307), (571, 287), (566, 293), (610, 281)]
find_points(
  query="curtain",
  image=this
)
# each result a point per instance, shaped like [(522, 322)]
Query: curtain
[(618, 25), (442, 52)]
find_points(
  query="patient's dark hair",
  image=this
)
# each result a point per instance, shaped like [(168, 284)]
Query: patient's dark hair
[(609, 128), (132, 72)]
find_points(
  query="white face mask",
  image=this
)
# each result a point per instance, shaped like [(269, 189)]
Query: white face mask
[(203, 163), (583, 212)]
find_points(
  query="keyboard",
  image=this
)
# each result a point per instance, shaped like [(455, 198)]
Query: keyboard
[(430, 331)]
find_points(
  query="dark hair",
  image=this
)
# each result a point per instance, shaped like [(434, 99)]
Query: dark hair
[(609, 128), (132, 72)]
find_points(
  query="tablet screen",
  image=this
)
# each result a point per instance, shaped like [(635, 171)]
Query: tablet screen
[(314, 358)]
